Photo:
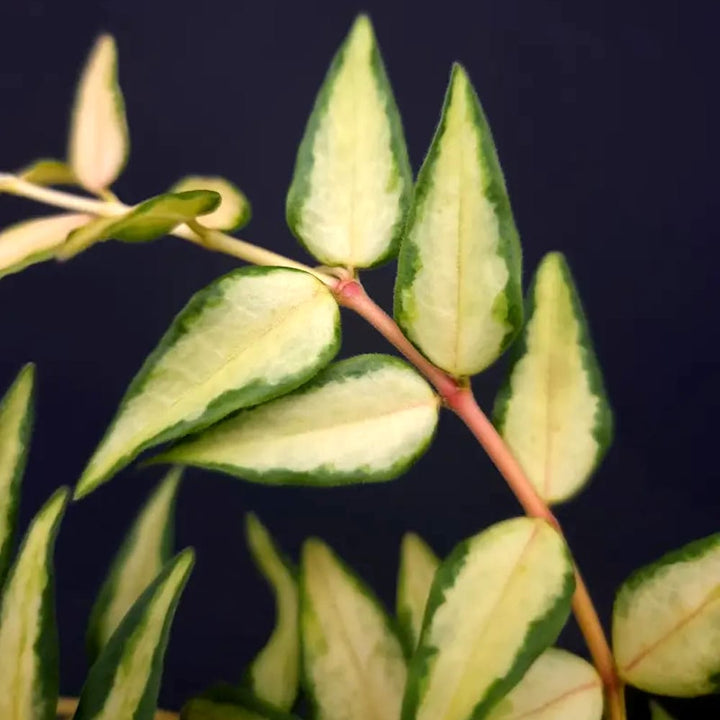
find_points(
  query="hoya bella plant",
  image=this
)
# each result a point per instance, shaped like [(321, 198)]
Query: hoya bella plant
[(244, 382)]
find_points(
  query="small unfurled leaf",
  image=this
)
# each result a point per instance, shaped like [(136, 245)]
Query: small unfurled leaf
[(16, 411), (657, 712), (33, 241), (558, 686), (49, 172), (29, 672), (458, 295), (418, 564), (125, 679), (99, 143), (248, 337), (353, 662), (143, 554), (497, 602), (365, 419), (666, 623), (352, 181), (553, 411), (227, 702), (234, 211), (274, 674), (149, 220)]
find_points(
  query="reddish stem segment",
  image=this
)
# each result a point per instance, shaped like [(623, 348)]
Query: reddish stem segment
[(460, 399)]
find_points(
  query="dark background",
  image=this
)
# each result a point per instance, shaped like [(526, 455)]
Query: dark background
[(605, 115)]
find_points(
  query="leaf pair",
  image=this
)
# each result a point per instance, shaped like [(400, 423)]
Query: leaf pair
[(495, 604), (124, 680)]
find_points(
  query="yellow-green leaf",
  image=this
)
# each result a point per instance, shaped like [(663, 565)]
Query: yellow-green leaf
[(558, 686), (250, 336), (47, 171), (497, 602), (141, 557), (352, 181), (274, 673), (33, 241), (99, 143), (657, 712), (230, 702), (352, 661), (553, 411), (418, 564), (234, 211), (666, 623), (149, 220), (124, 681), (458, 295), (16, 411), (28, 634), (365, 419)]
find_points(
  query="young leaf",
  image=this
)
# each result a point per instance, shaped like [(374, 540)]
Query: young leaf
[(458, 294), (143, 554), (497, 602), (418, 564), (16, 411), (558, 686), (666, 623), (554, 387), (365, 419), (99, 143), (47, 171), (657, 712), (234, 211), (274, 673), (352, 661), (125, 679), (227, 702), (352, 181), (28, 633), (248, 337), (33, 241), (149, 220)]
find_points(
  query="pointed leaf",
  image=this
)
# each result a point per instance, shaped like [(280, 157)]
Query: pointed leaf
[(149, 220), (418, 564), (554, 386), (234, 211), (248, 337), (352, 661), (227, 702), (47, 171), (16, 415), (99, 143), (143, 554), (33, 241), (666, 623), (125, 679), (498, 601), (558, 686), (657, 712), (352, 181), (365, 419), (29, 672), (457, 294), (274, 673)]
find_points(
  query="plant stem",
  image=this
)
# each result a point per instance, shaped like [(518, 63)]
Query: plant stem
[(460, 399), (193, 231)]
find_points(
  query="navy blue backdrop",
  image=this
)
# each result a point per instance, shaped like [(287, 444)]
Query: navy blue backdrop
[(605, 117)]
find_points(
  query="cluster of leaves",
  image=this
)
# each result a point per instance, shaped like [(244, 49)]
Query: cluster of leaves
[(244, 382), (130, 623)]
